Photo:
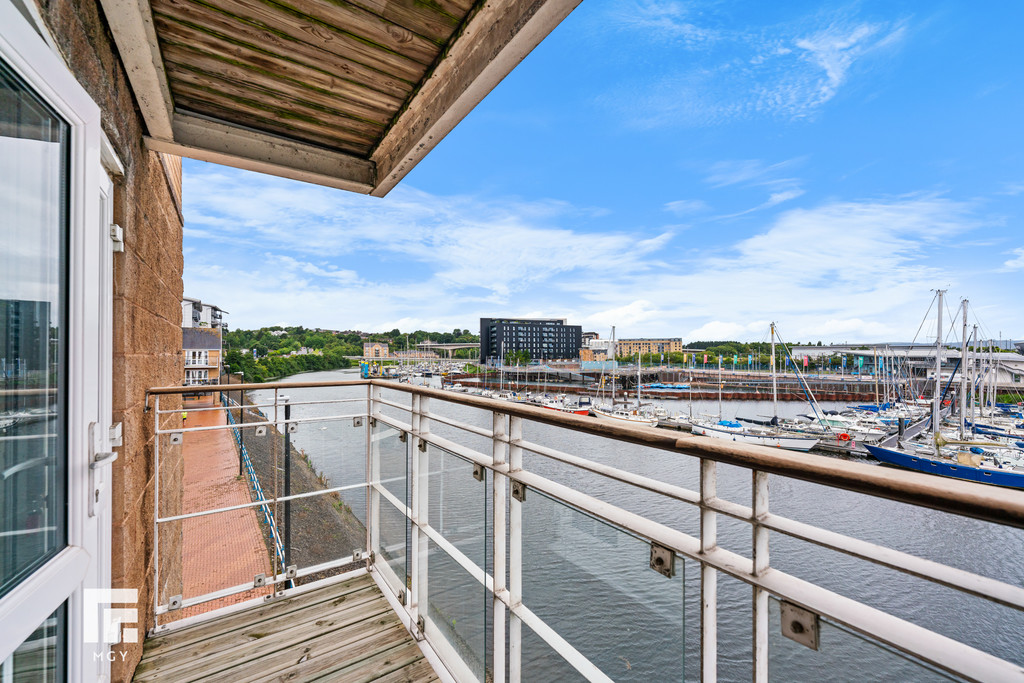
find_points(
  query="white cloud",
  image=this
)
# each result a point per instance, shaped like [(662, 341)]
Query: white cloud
[(412, 256), (841, 270), (672, 21), (682, 207), (1016, 263), (719, 330), (1013, 189), (834, 50), (757, 174), (787, 71)]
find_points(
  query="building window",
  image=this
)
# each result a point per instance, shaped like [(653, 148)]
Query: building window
[(34, 153)]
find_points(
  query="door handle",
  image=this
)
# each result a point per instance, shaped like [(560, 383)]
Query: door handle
[(101, 459)]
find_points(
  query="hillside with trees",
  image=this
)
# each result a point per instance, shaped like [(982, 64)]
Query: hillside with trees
[(272, 352)]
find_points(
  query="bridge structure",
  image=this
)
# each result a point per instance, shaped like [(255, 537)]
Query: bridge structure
[(448, 349)]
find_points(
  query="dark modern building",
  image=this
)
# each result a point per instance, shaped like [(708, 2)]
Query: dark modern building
[(543, 338)]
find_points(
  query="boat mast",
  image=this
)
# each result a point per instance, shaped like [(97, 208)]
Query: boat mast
[(963, 374), (874, 362), (639, 358), (975, 372), (992, 396), (613, 367), (775, 382), (719, 386), (938, 372)]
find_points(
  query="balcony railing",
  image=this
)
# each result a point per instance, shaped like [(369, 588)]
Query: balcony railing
[(526, 544)]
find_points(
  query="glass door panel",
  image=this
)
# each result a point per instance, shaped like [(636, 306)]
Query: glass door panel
[(34, 148)]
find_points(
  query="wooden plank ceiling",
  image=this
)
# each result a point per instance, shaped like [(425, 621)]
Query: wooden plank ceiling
[(349, 93)]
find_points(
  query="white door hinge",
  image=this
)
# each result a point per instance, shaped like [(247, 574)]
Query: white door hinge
[(117, 237)]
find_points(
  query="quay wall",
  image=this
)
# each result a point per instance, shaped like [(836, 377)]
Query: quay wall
[(701, 391)]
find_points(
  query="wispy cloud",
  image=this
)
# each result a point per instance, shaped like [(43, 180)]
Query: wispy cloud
[(431, 251), (775, 178), (1017, 262), (841, 269), (683, 207), (303, 255), (1013, 189), (667, 21), (788, 71)]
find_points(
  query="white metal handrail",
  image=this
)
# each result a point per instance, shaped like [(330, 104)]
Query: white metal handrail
[(505, 464)]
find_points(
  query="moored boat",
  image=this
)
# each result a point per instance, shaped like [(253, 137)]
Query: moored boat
[(730, 430), (964, 467)]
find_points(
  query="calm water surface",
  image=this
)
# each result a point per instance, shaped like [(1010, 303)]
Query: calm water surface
[(591, 582)]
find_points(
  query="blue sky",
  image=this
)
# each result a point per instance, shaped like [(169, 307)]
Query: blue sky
[(689, 169)]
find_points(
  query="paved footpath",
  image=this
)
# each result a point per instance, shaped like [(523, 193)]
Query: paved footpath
[(225, 549)]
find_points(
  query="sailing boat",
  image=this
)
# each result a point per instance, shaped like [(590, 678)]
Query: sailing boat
[(731, 430), (979, 463), (623, 414)]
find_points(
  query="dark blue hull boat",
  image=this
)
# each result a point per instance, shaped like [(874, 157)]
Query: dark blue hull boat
[(948, 469)]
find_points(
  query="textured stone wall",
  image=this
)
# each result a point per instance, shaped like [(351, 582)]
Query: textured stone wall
[(147, 308)]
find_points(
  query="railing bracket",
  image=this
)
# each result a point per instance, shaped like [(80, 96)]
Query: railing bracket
[(519, 491), (478, 471), (423, 446), (403, 436), (259, 580), (663, 560), (401, 597), (800, 625), (373, 421), (174, 603), (421, 625), (292, 571), (261, 430), (358, 422), (176, 438), (293, 427)]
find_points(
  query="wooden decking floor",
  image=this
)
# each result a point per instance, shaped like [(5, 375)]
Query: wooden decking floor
[(344, 632)]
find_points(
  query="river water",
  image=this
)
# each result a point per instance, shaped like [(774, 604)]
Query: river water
[(592, 583)]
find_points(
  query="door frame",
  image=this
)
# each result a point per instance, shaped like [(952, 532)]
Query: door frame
[(85, 561)]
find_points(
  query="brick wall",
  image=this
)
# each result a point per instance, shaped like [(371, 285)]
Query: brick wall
[(147, 304)]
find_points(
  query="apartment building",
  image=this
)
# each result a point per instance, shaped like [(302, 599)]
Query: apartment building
[(542, 338), (631, 347)]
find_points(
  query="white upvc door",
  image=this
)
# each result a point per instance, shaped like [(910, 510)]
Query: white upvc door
[(47, 604)]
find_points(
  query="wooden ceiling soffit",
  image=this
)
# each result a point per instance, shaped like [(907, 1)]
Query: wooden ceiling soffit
[(362, 130), (221, 143), (131, 22)]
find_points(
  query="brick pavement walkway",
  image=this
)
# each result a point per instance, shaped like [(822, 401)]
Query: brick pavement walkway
[(225, 549)]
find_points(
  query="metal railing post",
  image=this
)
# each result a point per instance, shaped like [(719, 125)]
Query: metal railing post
[(156, 509), (241, 431), (708, 574), (515, 555), (759, 496), (499, 485), (277, 491), (420, 506), (287, 487), (372, 470)]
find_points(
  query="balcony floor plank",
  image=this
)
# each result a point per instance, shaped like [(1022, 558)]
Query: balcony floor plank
[(343, 632)]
